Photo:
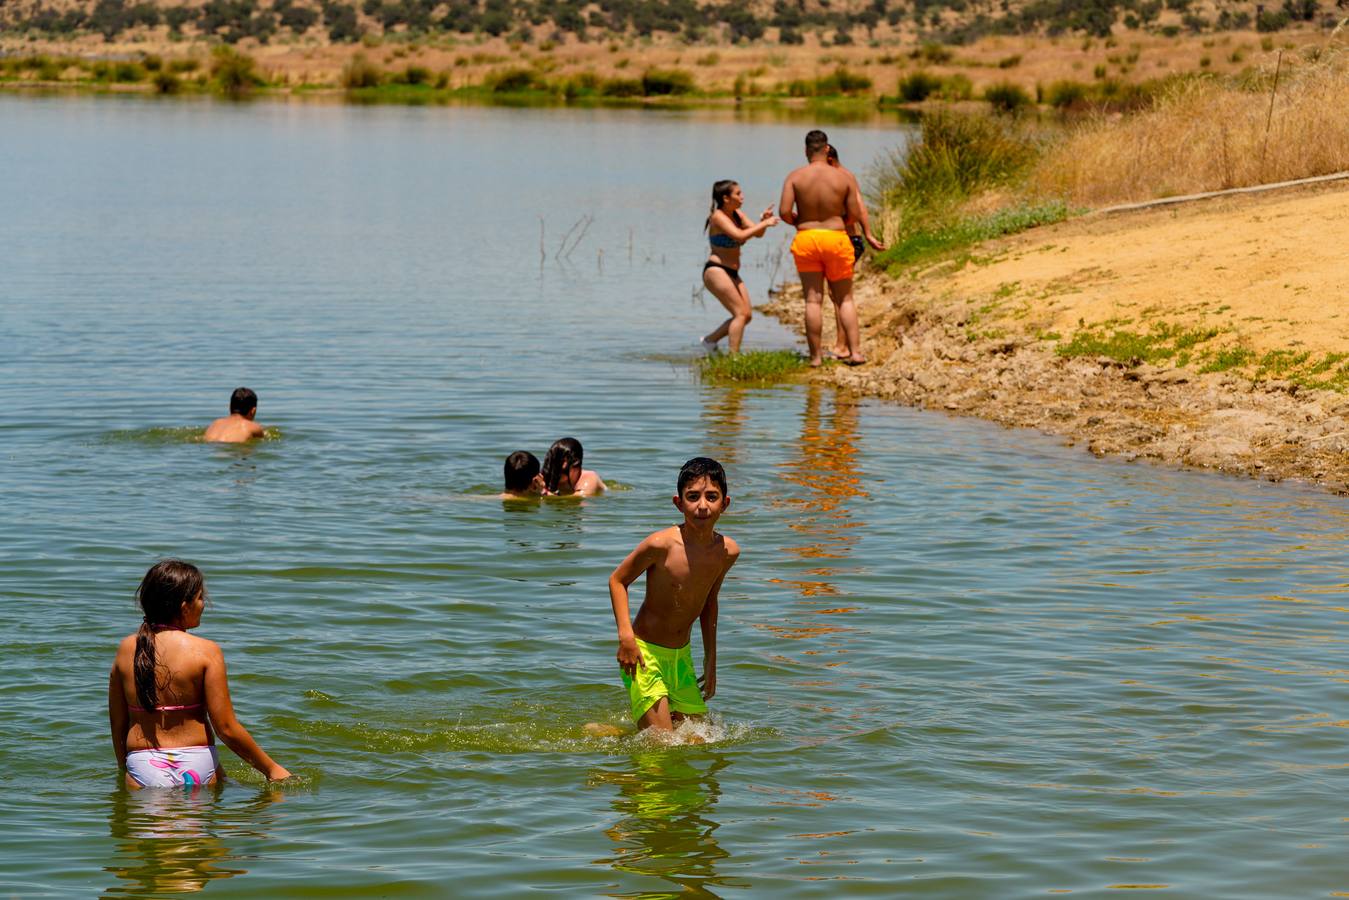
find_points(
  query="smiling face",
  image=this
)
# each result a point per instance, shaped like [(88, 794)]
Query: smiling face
[(702, 501)]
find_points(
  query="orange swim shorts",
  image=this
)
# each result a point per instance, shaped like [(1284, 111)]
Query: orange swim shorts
[(823, 250)]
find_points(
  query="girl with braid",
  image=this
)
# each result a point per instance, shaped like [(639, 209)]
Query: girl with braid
[(169, 695)]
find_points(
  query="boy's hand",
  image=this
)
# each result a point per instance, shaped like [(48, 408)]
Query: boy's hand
[(629, 657), (708, 682)]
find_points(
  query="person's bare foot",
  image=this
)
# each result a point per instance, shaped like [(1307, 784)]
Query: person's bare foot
[(841, 353), (856, 360), (816, 362)]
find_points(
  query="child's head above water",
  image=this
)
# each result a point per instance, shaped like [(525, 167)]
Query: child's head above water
[(702, 489), (562, 463), (243, 402), (522, 473)]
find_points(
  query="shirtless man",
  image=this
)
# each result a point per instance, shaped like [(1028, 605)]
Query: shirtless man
[(819, 200), (238, 426)]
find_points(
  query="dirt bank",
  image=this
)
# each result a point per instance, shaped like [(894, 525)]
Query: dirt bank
[(1221, 326)]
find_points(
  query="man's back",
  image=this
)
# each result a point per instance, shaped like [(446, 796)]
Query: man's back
[(232, 429), (820, 194)]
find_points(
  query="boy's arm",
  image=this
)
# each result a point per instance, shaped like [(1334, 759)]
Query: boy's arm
[(707, 625), (636, 562)]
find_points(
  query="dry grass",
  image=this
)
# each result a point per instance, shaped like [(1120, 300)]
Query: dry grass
[(1207, 135)]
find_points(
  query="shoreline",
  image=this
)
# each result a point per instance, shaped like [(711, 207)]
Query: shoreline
[(967, 339)]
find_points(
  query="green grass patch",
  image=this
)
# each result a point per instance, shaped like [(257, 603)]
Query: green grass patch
[(1163, 343), (752, 366), (925, 240)]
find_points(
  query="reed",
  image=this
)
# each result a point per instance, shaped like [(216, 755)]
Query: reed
[(1208, 134)]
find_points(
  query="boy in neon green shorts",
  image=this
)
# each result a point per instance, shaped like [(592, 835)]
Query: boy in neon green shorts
[(684, 567)]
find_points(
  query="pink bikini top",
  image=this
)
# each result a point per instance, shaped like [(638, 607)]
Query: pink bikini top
[(135, 708)]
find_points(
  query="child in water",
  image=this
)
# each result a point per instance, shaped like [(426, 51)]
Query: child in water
[(238, 426), (522, 476), (172, 743), (684, 567), (562, 472)]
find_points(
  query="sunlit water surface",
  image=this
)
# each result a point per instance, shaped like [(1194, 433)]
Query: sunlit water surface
[(956, 661)]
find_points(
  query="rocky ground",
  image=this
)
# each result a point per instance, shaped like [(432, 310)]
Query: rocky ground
[(925, 352)]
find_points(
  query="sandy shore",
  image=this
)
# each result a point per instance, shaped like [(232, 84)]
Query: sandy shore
[(1265, 275)]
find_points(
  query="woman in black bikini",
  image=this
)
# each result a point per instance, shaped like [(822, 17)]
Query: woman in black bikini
[(727, 228)]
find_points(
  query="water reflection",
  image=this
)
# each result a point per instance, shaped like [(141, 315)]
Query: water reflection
[(723, 418), (822, 484), (664, 830), (172, 841)]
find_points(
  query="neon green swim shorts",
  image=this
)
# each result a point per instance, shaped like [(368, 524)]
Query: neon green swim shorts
[(668, 673)]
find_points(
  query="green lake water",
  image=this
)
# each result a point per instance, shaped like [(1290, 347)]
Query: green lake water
[(955, 660)]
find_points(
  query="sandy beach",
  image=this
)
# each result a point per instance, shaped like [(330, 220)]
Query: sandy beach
[(1255, 280)]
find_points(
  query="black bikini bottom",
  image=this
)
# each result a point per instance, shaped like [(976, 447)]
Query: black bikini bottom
[(734, 273)]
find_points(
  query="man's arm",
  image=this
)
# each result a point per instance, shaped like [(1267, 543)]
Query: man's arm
[(628, 571), (787, 202), (862, 217)]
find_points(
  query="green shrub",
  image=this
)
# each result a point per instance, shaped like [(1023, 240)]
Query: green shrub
[(934, 53), (166, 83), (413, 75), (917, 87), (512, 81), (621, 87), (128, 72), (960, 154), (663, 82), (235, 73), (360, 72), (1066, 94), (842, 81), (955, 88), (1006, 97), (1010, 62)]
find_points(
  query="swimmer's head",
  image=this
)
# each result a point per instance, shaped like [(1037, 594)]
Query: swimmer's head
[(171, 593), (816, 142), (702, 489), (243, 402), (521, 470), (562, 461)]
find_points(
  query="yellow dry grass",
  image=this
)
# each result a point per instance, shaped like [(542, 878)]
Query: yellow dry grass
[(1206, 136)]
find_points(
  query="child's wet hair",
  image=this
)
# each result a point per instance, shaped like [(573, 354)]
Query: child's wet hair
[(702, 467), (243, 400), (564, 453), (164, 591), (520, 469)]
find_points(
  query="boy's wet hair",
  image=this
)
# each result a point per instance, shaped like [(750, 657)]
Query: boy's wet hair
[(565, 451), (816, 141), (521, 467), (702, 467), (243, 400)]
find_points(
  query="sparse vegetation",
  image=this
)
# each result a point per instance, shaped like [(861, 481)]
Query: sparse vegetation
[(752, 366)]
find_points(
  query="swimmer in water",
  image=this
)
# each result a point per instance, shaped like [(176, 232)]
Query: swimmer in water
[(238, 426), (169, 695), (684, 567), (562, 472), (522, 477)]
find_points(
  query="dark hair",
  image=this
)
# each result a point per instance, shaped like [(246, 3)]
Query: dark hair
[(720, 191), (702, 467), (164, 591), (564, 452), (521, 467), (833, 154), (243, 400), (816, 141)]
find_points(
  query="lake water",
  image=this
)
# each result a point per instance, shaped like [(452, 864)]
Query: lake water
[(955, 660)]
